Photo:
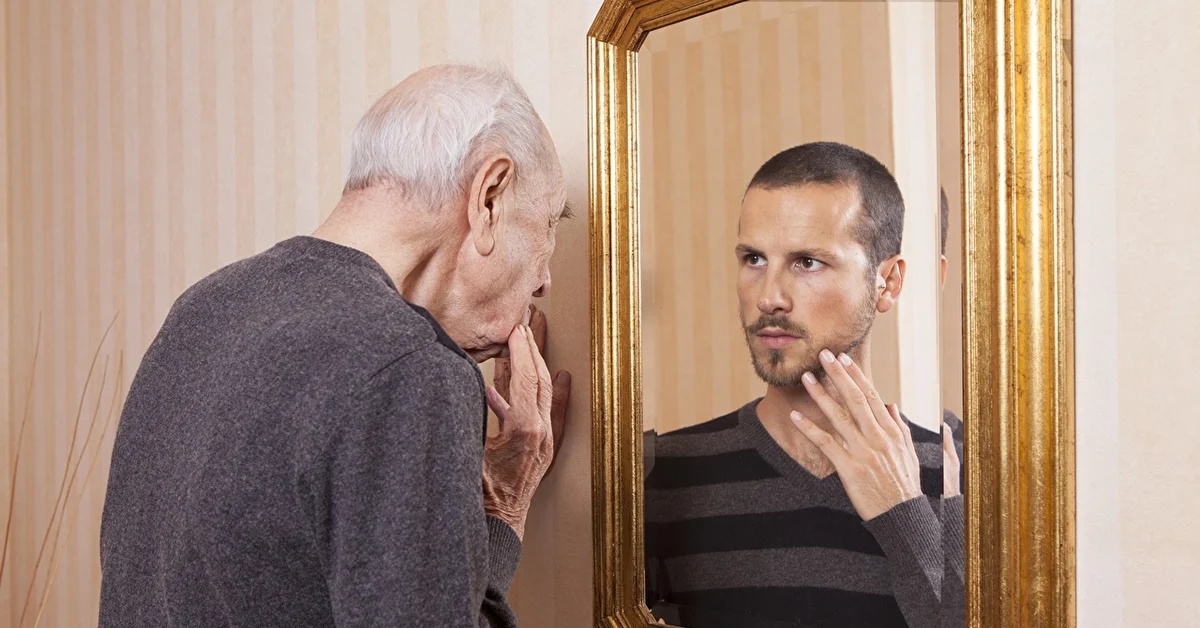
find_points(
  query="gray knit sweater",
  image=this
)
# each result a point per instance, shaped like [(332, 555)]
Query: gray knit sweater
[(302, 448), (739, 534)]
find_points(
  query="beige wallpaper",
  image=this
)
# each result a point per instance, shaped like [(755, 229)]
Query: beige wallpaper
[(1137, 144), (949, 129), (719, 95), (153, 141), (1152, 272), (6, 272)]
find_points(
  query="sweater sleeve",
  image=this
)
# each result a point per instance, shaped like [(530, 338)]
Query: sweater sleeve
[(911, 537), (954, 590), (397, 503), (926, 555), (954, 593)]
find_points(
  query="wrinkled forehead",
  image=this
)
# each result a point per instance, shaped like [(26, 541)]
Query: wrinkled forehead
[(549, 184), (541, 185), (545, 192)]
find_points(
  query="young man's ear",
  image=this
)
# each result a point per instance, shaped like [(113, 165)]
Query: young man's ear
[(889, 283), (488, 198), (945, 267)]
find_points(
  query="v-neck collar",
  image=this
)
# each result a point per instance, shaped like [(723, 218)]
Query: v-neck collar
[(757, 436)]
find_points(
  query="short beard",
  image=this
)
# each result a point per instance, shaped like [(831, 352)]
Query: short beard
[(767, 366), (793, 378)]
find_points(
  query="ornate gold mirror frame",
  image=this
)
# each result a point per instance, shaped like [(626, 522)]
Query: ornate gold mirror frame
[(1018, 308)]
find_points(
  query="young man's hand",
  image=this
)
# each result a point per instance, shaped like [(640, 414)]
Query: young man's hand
[(951, 465), (872, 449)]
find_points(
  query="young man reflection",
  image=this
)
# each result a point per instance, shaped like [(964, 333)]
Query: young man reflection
[(816, 505)]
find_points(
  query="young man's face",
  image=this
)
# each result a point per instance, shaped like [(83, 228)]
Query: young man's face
[(804, 281)]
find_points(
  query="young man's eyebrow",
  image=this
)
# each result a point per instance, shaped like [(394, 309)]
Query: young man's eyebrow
[(817, 253)]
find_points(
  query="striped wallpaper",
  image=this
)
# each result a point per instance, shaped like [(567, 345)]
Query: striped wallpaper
[(152, 141), (5, 309), (949, 129), (719, 95)]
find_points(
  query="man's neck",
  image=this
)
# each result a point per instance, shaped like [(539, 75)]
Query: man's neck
[(410, 243), (775, 410)]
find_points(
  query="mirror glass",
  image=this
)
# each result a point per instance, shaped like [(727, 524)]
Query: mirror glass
[(820, 104)]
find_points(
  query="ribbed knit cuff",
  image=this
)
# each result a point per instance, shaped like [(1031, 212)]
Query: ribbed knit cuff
[(504, 553), (910, 533)]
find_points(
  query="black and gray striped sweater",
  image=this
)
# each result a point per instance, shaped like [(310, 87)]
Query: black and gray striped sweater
[(739, 534)]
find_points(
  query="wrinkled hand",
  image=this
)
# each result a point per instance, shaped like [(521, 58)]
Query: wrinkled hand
[(561, 397), (873, 451), (516, 459), (951, 465)]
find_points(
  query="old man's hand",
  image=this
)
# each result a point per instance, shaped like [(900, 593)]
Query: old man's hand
[(873, 450), (519, 455), (502, 376)]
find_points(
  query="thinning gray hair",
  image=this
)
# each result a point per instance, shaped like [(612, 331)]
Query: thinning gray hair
[(426, 139)]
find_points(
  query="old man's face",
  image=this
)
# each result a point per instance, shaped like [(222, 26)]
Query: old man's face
[(504, 284)]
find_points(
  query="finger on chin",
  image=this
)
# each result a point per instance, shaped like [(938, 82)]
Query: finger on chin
[(837, 373), (522, 369), (849, 430), (538, 362)]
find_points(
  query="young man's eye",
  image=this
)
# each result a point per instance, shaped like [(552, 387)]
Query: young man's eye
[(753, 259), (808, 263)]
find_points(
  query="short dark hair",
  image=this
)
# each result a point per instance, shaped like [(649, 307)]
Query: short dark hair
[(945, 219), (881, 226)]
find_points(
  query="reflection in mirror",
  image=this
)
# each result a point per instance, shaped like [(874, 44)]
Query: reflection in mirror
[(799, 177)]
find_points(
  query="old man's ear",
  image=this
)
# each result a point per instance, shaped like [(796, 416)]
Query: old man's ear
[(489, 196)]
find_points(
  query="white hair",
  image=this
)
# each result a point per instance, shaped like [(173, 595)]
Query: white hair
[(426, 138)]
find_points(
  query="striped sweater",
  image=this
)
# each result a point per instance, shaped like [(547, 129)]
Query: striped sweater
[(739, 534)]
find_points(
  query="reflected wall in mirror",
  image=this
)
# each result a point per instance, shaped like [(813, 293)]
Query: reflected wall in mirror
[(800, 166)]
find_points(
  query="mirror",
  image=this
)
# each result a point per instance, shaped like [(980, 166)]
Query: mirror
[(846, 115), (748, 165)]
